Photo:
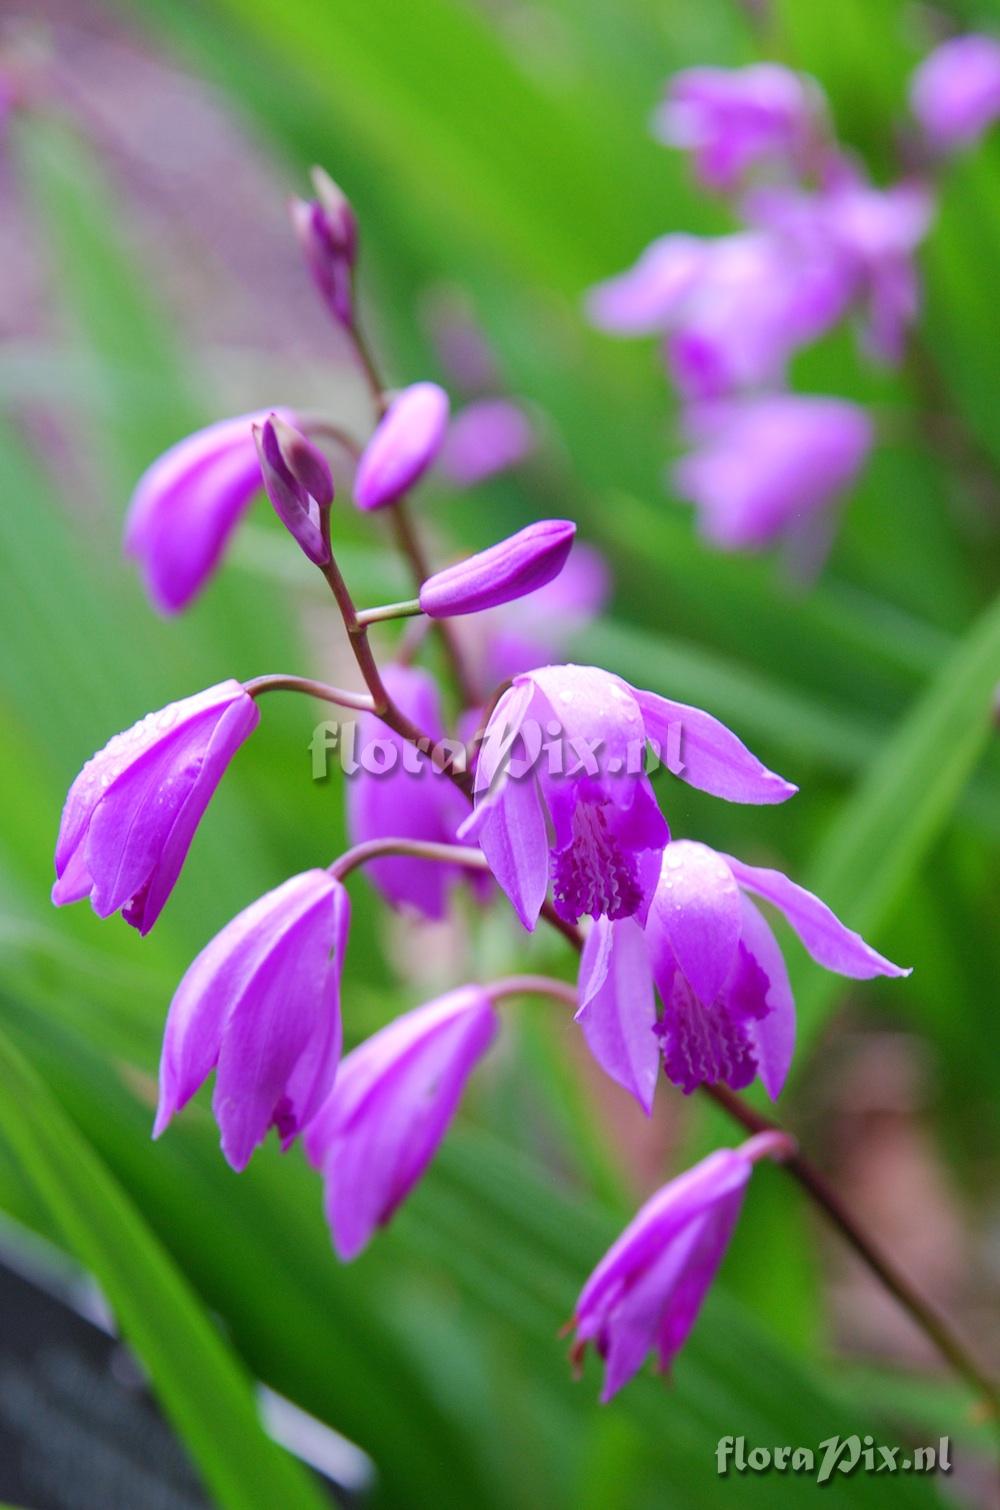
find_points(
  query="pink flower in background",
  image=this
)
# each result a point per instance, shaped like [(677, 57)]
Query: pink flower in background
[(645, 1294), (872, 235), (328, 234), (727, 1008), (732, 120), (410, 801), (131, 814), (188, 503), (488, 436), (734, 308), (261, 1006), (955, 92), (763, 464), (391, 1105), (590, 816), (406, 442)]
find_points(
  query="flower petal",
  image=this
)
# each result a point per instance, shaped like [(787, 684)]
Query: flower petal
[(714, 759), (617, 1007), (827, 939), (773, 1035), (697, 903)]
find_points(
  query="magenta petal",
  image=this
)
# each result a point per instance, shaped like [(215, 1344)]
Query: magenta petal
[(827, 939), (514, 840), (642, 300), (773, 1035), (261, 1003), (391, 1105), (506, 571), (404, 445), (487, 437), (617, 1007), (697, 904), (646, 1292), (714, 760), (187, 504), (955, 93)]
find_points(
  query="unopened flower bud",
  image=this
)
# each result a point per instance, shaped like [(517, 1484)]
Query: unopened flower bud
[(298, 482), (328, 233), (405, 443), (509, 570)]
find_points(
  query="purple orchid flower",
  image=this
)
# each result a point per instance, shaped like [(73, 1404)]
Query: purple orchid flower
[(732, 120), (298, 483), (955, 93), (391, 1105), (131, 814), (187, 505), (870, 235), (734, 308), (583, 733), (728, 1012), (645, 1294), (410, 800), (328, 234), (503, 573), (487, 437), (763, 465), (406, 442), (261, 1006)]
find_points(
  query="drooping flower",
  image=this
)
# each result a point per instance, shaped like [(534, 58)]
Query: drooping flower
[(187, 505), (261, 1006), (727, 1008), (732, 120), (645, 1294), (488, 436), (391, 1104), (407, 799), (955, 92), (870, 235), (764, 464), (298, 482), (328, 234), (406, 442), (576, 801), (501, 574), (734, 309), (131, 814)]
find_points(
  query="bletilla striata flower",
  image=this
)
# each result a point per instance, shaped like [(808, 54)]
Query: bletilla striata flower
[(328, 234), (488, 436), (734, 309), (727, 1008), (955, 93), (870, 234), (409, 799), (645, 1294), (576, 805), (504, 572), (298, 483), (261, 1006), (406, 442), (762, 465), (131, 814), (391, 1105), (187, 505), (733, 120)]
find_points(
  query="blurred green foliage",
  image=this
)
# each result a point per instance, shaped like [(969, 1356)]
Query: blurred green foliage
[(521, 170)]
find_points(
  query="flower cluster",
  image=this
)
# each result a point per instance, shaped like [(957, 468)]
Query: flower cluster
[(818, 242), (581, 835)]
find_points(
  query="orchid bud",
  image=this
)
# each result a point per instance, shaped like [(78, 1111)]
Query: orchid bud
[(505, 571), (405, 443), (298, 482), (328, 233)]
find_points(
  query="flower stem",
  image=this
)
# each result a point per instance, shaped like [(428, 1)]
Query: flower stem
[(927, 1317), (405, 610), (418, 849), (360, 701), (532, 985)]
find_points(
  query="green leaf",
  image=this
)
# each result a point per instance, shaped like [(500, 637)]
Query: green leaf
[(204, 1391)]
